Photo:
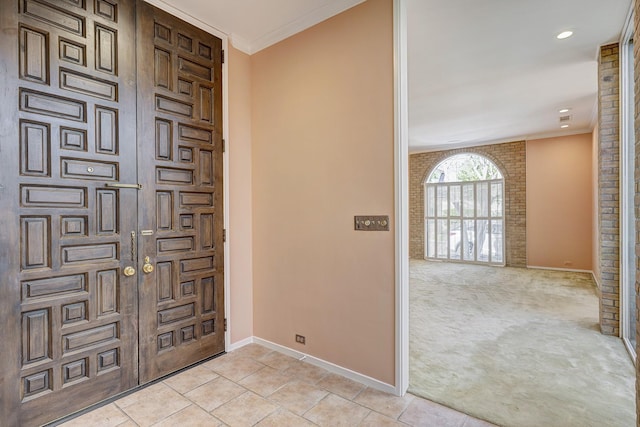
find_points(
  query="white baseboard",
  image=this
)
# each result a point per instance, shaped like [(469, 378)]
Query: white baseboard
[(573, 270), (236, 345), (331, 367)]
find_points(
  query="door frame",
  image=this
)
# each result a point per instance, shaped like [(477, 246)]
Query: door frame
[(225, 159), (401, 172), (627, 167)]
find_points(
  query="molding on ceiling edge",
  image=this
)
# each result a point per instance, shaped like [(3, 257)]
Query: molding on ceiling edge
[(188, 18), (307, 21), (240, 43), (443, 147)]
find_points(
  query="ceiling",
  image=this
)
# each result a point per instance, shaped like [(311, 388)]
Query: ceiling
[(253, 25), (493, 70), (479, 71)]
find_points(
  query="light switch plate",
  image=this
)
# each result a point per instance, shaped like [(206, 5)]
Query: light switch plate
[(371, 222)]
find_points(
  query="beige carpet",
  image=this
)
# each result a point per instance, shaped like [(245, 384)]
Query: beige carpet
[(516, 347)]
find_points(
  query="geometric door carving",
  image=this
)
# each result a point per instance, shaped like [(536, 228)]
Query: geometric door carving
[(180, 105), (72, 132)]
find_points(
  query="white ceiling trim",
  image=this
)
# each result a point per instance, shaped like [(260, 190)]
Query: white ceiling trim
[(189, 18), (309, 20), (443, 147)]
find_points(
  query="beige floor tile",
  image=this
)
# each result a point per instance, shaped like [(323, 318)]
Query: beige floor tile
[(245, 410), (217, 361), (337, 384), (255, 351), (139, 395), (474, 422), (298, 397), (385, 403), (277, 360), (163, 402), (422, 412), (284, 418), (190, 379), (375, 419), (265, 381), (192, 416), (215, 393), (237, 368), (106, 416), (306, 372), (125, 424), (335, 411)]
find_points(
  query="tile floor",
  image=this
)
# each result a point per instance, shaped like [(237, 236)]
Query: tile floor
[(254, 386)]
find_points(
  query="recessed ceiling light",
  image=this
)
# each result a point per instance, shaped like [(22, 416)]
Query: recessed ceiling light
[(564, 110), (564, 126), (564, 35)]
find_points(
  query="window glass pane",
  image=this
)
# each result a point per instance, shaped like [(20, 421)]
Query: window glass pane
[(443, 238), (442, 202), (469, 239), (431, 238), (431, 201), (482, 199), (482, 240), (455, 239), (496, 199), (464, 167), (497, 255), (455, 200), (468, 201)]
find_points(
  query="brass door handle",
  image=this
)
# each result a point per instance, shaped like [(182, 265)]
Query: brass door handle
[(129, 271), (147, 267)]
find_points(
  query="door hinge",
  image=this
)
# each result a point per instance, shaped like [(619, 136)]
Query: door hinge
[(224, 235), (224, 145), (222, 55), (225, 324)]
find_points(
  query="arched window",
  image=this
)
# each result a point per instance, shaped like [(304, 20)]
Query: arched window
[(464, 211)]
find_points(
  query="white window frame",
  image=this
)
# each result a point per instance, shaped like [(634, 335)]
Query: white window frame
[(461, 218), (627, 186)]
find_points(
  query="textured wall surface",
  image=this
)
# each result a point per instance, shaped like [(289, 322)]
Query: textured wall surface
[(609, 188), (511, 159)]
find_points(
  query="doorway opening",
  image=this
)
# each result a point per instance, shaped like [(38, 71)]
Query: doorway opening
[(464, 211)]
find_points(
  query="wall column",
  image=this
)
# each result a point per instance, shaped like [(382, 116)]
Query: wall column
[(609, 188)]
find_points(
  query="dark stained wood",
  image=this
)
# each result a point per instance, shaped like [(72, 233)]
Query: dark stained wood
[(77, 330), (180, 137), (67, 120)]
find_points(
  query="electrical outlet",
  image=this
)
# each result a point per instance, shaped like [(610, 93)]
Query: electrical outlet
[(300, 339)]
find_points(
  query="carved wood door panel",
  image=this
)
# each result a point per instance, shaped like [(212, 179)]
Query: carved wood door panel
[(67, 134), (180, 128), (80, 126)]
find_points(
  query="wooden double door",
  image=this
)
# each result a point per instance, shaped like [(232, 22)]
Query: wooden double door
[(111, 219)]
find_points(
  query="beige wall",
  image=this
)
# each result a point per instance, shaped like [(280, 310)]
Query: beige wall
[(322, 129), (559, 202), (240, 204), (595, 224)]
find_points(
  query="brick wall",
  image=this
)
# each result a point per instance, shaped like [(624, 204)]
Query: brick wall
[(608, 188), (511, 160)]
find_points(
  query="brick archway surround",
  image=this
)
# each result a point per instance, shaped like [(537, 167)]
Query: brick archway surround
[(511, 160)]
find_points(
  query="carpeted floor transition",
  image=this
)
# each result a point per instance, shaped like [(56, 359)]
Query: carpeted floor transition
[(516, 347)]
